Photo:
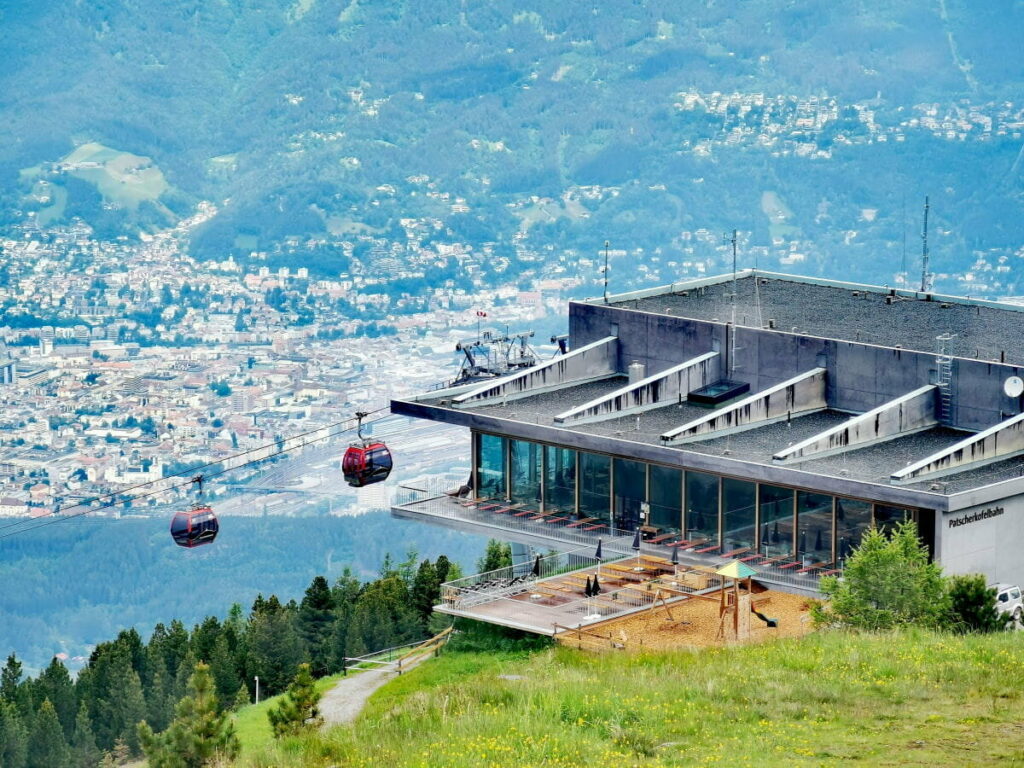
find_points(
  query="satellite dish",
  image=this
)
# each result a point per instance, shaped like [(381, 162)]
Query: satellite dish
[(1013, 386)]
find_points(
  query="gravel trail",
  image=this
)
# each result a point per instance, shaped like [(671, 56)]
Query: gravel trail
[(344, 702)]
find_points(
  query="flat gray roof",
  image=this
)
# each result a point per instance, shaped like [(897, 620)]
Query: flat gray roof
[(846, 312)]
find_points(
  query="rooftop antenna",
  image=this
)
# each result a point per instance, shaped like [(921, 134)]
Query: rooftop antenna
[(606, 245), (925, 277), (732, 347), (903, 259)]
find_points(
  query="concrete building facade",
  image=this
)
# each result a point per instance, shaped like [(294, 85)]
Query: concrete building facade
[(766, 417)]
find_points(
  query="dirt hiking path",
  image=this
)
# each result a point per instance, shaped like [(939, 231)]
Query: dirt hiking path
[(344, 702)]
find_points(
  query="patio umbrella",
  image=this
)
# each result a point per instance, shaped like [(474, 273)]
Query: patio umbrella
[(817, 541), (536, 566), (765, 536), (595, 590), (775, 533), (675, 555), (597, 556), (636, 545), (589, 589)]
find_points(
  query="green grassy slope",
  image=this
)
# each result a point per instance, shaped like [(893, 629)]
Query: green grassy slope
[(252, 725), (907, 699)]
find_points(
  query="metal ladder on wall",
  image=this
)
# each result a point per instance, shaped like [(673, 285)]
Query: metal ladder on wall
[(944, 369)]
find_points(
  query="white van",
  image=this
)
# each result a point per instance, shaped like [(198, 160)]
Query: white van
[(1008, 600)]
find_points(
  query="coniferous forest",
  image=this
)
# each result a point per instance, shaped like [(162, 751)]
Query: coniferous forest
[(56, 721)]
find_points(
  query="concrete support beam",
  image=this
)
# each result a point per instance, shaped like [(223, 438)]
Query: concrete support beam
[(800, 394), (669, 386), (913, 412), (1002, 441), (588, 363)]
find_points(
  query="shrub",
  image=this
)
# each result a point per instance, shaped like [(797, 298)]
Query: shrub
[(297, 711), (200, 733), (972, 606), (887, 582)]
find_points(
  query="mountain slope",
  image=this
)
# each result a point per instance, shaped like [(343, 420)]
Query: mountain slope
[(299, 112)]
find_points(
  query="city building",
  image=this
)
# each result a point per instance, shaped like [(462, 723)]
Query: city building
[(759, 417)]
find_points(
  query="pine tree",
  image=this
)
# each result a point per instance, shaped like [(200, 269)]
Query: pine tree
[(888, 582), (235, 626), (204, 638), (117, 756), (47, 747), (199, 733), (186, 667), (497, 555), (273, 648), (132, 710), (426, 591), (442, 566), (314, 620), (407, 568), (54, 683), (13, 737), (14, 689), (383, 617), (84, 752), (224, 669), (297, 709), (112, 688), (241, 698), (159, 698), (972, 606), (10, 678), (345, 593), (131, 643), (171, 644)]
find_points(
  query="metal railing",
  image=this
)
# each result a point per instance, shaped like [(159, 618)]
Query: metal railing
[(518, 578), (431, 498), (531, 594), (536, 612)]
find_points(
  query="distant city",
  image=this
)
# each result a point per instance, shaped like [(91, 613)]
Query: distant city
[(129, 361)]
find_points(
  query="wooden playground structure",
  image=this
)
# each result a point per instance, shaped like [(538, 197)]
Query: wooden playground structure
[(735, 612)]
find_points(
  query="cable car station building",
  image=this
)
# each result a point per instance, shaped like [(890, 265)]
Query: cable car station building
[(763, 416)]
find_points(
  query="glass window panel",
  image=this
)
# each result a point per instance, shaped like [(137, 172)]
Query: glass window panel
[(739, 514), (559, 479), (887, 518), (702, 507), (595, 486), (490, 464), (776, 520), (630, 492), (666, 498), (525, 468), (814, 527), (853, 518)]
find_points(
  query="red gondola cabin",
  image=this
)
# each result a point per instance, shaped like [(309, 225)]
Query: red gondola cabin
[(366, 464), (195, 527)]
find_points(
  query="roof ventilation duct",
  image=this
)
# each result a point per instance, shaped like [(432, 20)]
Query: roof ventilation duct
[(637, 371)]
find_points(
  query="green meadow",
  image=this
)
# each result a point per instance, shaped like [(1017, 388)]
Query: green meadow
[(912, 698)]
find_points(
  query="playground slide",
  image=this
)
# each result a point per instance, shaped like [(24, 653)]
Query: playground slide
[(774, 623)]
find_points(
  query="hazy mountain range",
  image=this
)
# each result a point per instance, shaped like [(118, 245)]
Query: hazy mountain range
[(639, 121)]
